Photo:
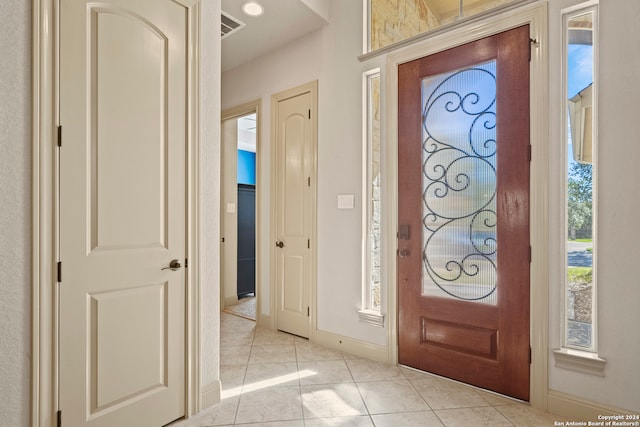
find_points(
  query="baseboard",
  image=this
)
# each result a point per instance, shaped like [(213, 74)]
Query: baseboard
[(211, 394), (232, 300), (264, 321), (351, 345), (577, 409)]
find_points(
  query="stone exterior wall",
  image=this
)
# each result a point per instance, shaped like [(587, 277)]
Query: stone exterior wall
[(580, 296), (396, 20)]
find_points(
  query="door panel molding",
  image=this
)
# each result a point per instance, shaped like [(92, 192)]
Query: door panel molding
[(45, 165), (536, 16), (312, 89)]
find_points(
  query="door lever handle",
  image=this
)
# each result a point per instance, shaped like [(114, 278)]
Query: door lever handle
[(280, 244), (174, 265)]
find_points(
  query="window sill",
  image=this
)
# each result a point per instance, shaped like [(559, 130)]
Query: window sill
[(371, 317), (579, 361)]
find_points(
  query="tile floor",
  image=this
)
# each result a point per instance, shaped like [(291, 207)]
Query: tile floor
[(273, 379)]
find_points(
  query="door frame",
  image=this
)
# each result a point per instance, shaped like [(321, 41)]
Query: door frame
[(312, 88), (536, 16), (45, 231), (228, 114)]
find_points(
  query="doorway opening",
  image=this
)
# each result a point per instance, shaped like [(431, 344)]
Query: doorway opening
[(239, 208)]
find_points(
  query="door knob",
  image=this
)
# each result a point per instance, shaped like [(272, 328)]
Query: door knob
[(174, 265), (280, 244)]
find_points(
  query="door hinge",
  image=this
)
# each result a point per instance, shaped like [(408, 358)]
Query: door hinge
[(309, 181), (309, 113), (530, 254), (530, 154), (532, 42), (59, 136), (186, 262), (530, 357), (59, 274), (307, 311), (59, 419), (308, 243)]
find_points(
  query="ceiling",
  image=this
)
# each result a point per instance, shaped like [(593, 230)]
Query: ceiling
[(282, 22)]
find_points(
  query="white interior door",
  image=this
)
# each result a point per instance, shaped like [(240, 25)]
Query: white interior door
[(294, 169), (123, 112)]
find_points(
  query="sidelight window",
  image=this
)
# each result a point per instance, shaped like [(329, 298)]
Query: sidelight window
[(371, 192), (580, 87)]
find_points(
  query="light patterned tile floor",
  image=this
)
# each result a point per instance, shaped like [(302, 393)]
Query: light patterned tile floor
[(272, 379)]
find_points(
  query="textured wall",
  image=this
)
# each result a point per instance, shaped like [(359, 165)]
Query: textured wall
[(210, 194), (15, 211), (396, 20)]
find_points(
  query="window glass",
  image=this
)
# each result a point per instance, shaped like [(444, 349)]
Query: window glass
[(459, 155), (372, 192), (392, 21), (581, 166)]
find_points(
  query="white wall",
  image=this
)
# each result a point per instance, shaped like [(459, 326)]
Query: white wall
[(209, 185), (15, 212), (320, 7), (618, 206), (340, 172), (329, 56)]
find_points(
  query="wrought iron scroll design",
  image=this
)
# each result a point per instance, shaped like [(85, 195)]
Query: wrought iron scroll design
[(459, 182)]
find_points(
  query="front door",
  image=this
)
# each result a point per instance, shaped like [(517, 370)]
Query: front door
[(463, 215), (295, 171), (122, 212)]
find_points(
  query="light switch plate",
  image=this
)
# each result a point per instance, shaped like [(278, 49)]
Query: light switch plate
[(231, 207), (345, 201)]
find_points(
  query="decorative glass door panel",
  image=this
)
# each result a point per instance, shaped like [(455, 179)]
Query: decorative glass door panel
[(459, 184)]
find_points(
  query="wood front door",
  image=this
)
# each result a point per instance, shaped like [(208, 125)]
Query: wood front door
[(122, 211), (463, 215)]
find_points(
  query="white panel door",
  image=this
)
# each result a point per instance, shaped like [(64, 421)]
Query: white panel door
[(123, 112), (294, 167)]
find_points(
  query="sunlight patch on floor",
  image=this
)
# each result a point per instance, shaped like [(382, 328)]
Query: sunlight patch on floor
[(271, 382)]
